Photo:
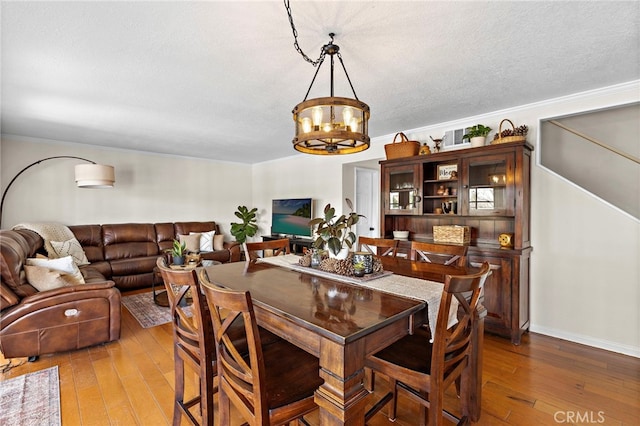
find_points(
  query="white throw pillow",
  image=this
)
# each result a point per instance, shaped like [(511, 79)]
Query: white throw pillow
[(71, 248), (206, 240), (62, 264), (43, 279)]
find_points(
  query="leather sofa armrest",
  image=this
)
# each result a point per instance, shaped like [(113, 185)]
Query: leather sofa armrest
[(234, 248), (65, 290)]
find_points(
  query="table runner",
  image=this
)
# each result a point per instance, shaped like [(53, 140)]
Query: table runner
[(399, 285)]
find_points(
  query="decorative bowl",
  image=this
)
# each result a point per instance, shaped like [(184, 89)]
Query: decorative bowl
[(400, 235)]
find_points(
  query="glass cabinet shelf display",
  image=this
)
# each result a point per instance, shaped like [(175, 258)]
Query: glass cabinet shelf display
[(440, 192), (490, 186), (403, 195)]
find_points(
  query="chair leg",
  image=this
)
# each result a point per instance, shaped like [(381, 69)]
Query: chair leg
[(179, 390), (206, 398), (369, 380), (224, 408), (393, 408)]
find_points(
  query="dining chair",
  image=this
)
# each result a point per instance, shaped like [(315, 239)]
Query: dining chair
[(446, 254), (193, 342), (376, 246), (268, 385), (255, 250), (425, 367)]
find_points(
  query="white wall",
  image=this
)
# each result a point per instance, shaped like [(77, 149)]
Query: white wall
[(585, 276), (149, 188)]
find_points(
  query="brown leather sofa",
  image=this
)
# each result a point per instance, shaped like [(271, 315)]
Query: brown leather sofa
[(127, 252), (33, 323)]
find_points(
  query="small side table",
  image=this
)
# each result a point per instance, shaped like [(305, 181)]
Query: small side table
[(160, 298)]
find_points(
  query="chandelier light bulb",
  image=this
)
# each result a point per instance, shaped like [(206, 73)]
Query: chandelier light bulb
[(306, 124), (353, 125), (347, 115), (316, 113)]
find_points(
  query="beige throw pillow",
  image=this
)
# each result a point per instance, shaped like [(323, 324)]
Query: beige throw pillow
[(71, 248), (63, 264), (43, 279), (192, 241), (206, 240), (218, 242)]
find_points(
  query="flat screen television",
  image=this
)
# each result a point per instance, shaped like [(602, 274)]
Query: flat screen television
[(291, 216)]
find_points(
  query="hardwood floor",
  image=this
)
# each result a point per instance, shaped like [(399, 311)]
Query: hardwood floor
[(542, 381)]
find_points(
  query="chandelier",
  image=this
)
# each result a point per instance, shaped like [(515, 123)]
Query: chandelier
[(329, 125)]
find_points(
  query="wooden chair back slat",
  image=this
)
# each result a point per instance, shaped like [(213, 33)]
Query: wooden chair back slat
[(378, 246), (255, 250), (446, 254)]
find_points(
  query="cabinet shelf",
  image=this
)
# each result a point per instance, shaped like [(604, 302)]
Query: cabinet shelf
[(487, 186), (435, 197), (441, 182)]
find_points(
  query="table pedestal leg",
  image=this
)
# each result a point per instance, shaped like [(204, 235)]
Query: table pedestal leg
[(342, 396)]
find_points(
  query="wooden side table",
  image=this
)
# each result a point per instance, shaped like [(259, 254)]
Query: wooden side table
[(160, 298)]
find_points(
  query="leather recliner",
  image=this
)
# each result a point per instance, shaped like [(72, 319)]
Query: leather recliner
[(33, 323)]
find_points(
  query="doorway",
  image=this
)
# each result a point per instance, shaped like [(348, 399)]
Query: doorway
[(367, 197)]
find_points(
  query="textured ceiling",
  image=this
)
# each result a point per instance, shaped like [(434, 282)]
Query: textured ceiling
[(219, 79)]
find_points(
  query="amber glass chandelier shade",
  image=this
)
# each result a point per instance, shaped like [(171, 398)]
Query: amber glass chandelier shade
[(331, 125)]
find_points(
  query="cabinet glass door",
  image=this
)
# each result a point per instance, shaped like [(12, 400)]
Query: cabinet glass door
[(489, 185), (402, 195)]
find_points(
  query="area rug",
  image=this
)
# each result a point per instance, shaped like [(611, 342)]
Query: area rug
[(31, 399), (144, 309)]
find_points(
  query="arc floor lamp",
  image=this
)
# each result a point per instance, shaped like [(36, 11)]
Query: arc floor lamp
[(91, 175)]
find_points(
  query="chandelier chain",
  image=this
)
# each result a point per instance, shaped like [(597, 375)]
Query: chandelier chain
[(295, 39)]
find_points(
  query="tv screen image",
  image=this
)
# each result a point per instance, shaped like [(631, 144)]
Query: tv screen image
[(291, 216)]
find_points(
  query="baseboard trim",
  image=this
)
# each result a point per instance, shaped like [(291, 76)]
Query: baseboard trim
[(633, 351)]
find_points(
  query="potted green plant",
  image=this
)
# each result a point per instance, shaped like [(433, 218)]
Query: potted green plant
[(178, 250), (248, 227), (334, 233), (359, 269), (477, 135)]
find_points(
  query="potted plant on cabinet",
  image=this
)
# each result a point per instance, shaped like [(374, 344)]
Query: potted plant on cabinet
[(335, 234), (248, 227), (178, 250), (477, 135)]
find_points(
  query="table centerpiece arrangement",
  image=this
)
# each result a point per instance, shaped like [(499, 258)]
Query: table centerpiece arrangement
[(346, 267)]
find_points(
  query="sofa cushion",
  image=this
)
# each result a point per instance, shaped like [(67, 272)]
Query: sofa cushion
[(185, 228), (15, 247), (71, 248), (165, 235), (44, 279), (90, 237), (129, 240)]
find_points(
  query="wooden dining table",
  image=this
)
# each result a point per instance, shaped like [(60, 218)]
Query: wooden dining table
[(338, 322)]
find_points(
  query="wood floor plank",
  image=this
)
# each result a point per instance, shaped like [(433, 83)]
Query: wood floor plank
[(118, 406)]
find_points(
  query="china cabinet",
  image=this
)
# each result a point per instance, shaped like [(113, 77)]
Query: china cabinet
[(486, 188)]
